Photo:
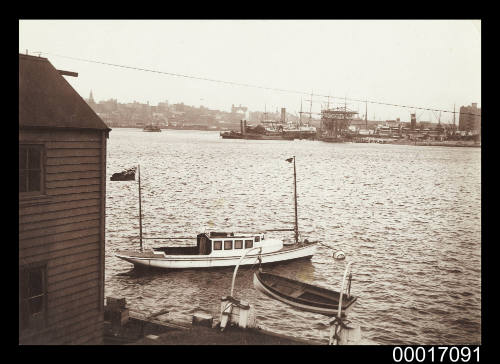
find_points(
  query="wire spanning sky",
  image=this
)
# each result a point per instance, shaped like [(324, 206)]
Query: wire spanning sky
[(424, 63)]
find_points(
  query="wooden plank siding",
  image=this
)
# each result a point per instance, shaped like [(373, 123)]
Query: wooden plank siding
[(58, 203), (65, 228)]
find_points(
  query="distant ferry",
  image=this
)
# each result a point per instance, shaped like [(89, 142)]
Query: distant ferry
[(151, 128), (254, 136), (219, 249)]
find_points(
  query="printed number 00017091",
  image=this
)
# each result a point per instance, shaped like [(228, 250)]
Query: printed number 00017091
[(442, 354)]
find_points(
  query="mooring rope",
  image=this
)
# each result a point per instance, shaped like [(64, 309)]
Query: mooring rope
[(259, 259), (326, 246), (342, 324)]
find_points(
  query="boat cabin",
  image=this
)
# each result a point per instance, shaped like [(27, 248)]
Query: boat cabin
[(217, 243)]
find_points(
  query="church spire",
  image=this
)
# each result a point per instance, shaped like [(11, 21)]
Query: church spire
[(91, 98)]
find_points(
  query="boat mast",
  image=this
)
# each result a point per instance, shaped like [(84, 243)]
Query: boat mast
[(295, 195), (140, 207)]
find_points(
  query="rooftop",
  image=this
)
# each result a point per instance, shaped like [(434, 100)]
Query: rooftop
[(46, 99)]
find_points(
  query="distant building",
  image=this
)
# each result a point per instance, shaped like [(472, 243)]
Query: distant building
[(62, 194), (239, 109), (470, 119)]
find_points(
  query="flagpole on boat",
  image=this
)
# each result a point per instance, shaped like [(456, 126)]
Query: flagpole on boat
[(140, 207), (295, 195), (296, 227)]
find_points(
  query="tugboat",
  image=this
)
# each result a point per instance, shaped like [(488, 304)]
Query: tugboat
[(258, 132), (152, 127)]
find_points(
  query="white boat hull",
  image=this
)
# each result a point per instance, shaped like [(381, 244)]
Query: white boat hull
[(207, 261)]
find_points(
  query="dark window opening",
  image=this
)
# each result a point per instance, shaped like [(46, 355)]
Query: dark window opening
[(248, 244), (228, 244), (32, 297), (30, 168), (218, 245), (238, 244), (257, 239)]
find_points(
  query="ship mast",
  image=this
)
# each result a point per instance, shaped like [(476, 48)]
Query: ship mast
[(366, 114), (300, 119), (310, 111)]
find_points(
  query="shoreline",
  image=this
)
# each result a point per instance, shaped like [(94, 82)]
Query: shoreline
[(372, 140)]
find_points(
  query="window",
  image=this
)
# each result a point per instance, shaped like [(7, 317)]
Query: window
[(248, 244), (238, 244), (32, 297), (218, 245), (228, 244), (30, 168), (257, 239)]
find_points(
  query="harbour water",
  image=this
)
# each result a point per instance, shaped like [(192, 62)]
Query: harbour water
[(409, 218)]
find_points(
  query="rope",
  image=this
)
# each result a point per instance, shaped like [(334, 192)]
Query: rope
[(327, 246), (259, 259), (340, 322)]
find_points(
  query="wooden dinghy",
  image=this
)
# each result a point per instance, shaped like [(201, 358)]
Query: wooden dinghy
[(301, 295)]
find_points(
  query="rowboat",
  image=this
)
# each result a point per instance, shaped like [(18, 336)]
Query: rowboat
[(219, 249), (301, 295)]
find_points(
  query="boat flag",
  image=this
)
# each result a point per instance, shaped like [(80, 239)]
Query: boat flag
[(290, 160)]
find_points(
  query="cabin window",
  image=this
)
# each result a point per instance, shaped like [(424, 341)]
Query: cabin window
[(257, 239), (218, 245), (248, 243), (32, 297), (238, 244), (228, 244), (30, 168)]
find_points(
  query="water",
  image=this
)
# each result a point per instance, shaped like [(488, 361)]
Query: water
[(408, 217)]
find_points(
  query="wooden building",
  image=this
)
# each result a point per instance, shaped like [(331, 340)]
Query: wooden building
[(62, 191)]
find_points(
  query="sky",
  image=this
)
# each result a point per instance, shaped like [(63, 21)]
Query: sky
[(425, 63)]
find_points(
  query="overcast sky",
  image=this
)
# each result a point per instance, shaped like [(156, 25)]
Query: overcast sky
[(425, 63)]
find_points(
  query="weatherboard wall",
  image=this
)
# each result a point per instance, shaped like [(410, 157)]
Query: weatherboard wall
[(64, 229)]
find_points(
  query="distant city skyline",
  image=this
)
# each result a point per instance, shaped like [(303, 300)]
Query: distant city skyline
[(423, 63)]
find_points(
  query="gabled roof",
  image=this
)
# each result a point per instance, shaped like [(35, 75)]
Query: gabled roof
[(46, 99)]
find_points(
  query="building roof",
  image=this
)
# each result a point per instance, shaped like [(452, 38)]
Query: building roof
[(46, 99)]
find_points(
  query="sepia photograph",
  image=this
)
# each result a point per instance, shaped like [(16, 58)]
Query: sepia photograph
[(251, 182)]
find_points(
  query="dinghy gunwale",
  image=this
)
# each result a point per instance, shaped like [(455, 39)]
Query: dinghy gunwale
[(315, 306)]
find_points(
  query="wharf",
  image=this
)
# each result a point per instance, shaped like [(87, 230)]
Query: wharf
[(429, 143), (140, 330)]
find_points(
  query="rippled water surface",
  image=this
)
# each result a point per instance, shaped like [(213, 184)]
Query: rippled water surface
[(408, 217)]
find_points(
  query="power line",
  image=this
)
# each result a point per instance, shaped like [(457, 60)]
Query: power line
[(249, 85)]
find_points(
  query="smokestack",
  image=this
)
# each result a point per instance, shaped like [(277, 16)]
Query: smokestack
[(413, 122), (283, 114)]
